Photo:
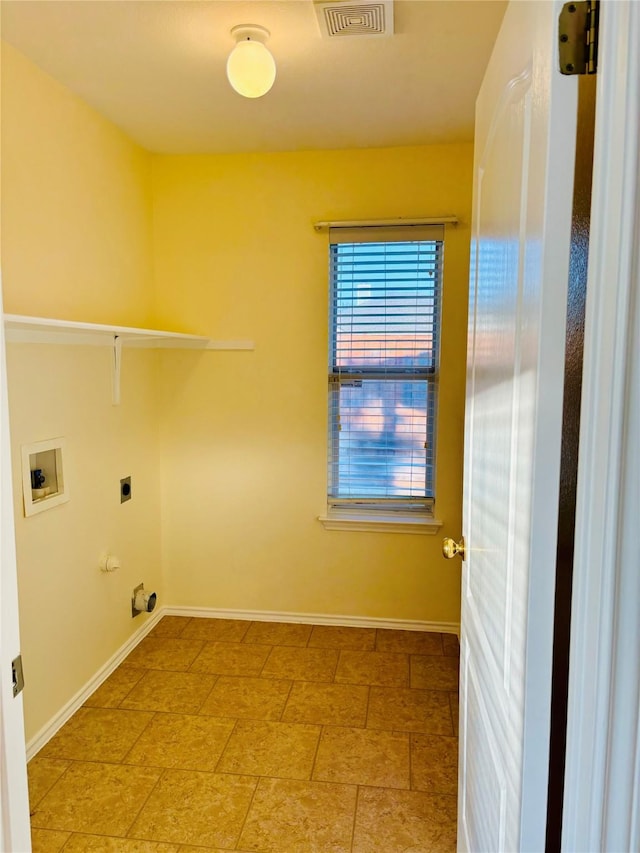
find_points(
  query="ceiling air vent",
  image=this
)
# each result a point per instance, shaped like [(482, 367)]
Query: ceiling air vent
[(354, 18)]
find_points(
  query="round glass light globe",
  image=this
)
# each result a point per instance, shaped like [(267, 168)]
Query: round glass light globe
[(251, 69)]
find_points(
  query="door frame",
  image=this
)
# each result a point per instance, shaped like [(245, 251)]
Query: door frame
[(602, 790), (15, 833)]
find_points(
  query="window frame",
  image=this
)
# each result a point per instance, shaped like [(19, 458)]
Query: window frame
[(393, 514)]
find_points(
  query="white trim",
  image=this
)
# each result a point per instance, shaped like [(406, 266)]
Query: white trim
[(56, 722), (43, 330), (314, 619), (601, 777), (67, 711), (14, 798), (386, 223), (23, 329), (386, 524)]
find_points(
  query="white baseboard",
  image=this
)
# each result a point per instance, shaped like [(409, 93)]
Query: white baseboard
[(49, 729), (315, 619)]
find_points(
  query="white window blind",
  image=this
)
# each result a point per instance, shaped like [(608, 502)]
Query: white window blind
[(383, 356)]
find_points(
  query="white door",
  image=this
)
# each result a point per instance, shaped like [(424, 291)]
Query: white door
[(14, 805), (523, 178)]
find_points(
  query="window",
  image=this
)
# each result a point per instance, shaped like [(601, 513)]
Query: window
[(383, 359)]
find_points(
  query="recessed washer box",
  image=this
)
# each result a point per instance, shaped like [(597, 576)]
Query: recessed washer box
[(43, 483)]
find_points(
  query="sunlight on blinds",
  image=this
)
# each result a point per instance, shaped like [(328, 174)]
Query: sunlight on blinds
[(384, 320)]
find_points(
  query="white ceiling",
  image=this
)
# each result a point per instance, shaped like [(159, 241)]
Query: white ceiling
[(156, 68)]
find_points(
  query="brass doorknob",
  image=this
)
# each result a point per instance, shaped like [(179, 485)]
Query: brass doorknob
[(451, 548)]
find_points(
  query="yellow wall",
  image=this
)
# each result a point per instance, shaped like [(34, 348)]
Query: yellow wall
[(244, 434), (76, 238), (75, 198)]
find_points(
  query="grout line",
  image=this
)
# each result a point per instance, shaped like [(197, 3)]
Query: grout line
[(216, 678), (411, 760), (123, 760), (244, 822), (226, 744), (337, 667), (286, 701), (34, 808), (366, 715), (140, 810), (266, 661), (250, 624), (355, 816), (315, 755), (71, 834), (244, 633), (143, 672), (231, 733)]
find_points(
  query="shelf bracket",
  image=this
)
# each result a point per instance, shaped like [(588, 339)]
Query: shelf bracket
[(116, 367)]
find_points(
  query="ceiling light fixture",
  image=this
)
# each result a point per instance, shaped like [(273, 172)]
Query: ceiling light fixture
[(251, 69)]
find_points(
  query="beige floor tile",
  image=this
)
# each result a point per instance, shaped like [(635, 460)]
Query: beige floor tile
[(226, 701), (115, 688), (103, 844), (47, 840), (174, 692), (409, 710), (284, 750), (451, 645), (186, 807), (97, 734), (226, 630), (384, 669), (170, 626), (247, 698), (42, 774), (411, 642), (231, 659), (434, 672), (455, 711), (188, 848), (182, 741), (164, 653), (336, 637), (434, 764), (327, 704), (301, 664), (278, 633), (363, 757), (404, 822), (300, 817), (96, 798)]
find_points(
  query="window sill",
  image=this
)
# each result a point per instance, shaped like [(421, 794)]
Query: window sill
[(383, 524)]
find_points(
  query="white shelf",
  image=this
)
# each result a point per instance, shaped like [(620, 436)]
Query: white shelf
[(41, 330)]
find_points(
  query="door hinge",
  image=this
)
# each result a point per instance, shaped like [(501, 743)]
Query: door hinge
[(578, 37), (17, 675)]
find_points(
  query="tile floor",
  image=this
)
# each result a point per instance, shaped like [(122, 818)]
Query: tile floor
[(218, 735)]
